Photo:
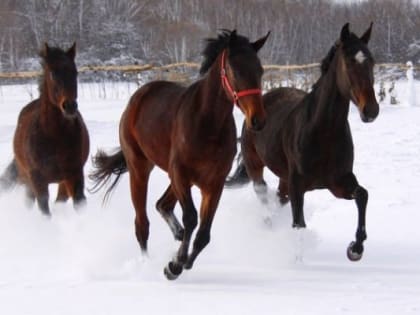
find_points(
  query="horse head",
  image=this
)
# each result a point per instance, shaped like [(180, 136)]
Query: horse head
[(355, 72), (60, 78), (241, 77), (240, 71)]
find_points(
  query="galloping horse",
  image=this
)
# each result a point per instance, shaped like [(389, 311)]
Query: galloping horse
[(51, 142), (307, 140), (190, 133)]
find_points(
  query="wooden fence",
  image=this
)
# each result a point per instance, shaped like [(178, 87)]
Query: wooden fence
[(190, 65), (298, 76)]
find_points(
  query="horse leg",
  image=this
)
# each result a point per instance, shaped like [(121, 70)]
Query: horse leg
[(283, 192), (75, 188), (29, 196), (165, 206), (296, 199), (255, 169), (62, 194), (139, 177), (260, 188), (254, 166), (348, 188), (40, 190), (182, 190), (210, 200)]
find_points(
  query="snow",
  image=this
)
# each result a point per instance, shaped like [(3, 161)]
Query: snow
[(90, 263), (411, 84)]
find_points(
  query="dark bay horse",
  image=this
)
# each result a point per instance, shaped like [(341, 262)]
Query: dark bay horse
[(307, 140), (190, 133), (51, 142)]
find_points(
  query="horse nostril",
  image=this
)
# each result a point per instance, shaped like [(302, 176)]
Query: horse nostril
[(371, 112), (256, 123), (70, 107)]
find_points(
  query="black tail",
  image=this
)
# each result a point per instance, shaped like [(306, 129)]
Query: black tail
[(240, 176), (106, 166), (8, 179)]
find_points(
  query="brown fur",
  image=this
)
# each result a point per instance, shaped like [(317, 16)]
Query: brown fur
[(51, 142), (190, 133)]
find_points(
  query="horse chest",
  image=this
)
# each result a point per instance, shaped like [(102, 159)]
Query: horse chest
[(57, 154), (207, 155), (215, 151), (321, 163)]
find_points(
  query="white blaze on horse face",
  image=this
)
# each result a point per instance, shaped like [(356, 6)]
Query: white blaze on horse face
[(360, 57)]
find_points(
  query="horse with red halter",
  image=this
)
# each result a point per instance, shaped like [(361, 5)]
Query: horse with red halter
[(51, 142), (190, 133), (307, 140)]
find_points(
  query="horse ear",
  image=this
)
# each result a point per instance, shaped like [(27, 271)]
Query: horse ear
[(260, 42), (345, 32), (366, 36), (44, 50), (71, 52), (233, 35)]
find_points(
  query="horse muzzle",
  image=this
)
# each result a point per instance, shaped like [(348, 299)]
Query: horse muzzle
[(369, 112), (70, 108), (367, 105), (257, 123)]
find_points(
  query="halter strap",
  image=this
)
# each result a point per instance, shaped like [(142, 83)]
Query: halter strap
[(226, 84)]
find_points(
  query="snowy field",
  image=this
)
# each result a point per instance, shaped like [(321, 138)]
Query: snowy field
[(90, 263)]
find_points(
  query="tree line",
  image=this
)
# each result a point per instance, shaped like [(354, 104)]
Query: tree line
[(166, 31)]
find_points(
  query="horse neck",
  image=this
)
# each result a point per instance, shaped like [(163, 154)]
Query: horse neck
[(51, 117), (215, 103), (331, 107)]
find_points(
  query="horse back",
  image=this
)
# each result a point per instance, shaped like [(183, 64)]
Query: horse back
[(147, 123), (164, 123), (281, 105), (283, 99), (289, 140)]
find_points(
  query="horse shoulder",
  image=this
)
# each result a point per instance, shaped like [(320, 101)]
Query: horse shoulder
[(30, 110), (276, 144), (27, 126)]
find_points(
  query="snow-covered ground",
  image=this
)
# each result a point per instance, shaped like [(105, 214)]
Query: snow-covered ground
[(90, 263)]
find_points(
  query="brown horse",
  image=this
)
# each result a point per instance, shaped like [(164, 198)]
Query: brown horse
[(190, 133), (307, 140), (51, 142)]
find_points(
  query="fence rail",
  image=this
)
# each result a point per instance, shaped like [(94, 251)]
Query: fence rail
[(148, 67)]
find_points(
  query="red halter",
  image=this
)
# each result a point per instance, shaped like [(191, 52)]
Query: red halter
[(226, 84)]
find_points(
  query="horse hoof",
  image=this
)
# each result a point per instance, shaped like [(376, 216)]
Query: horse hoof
[(46, 214), (298, 225), (168, 274), (79, 205), (354, 254), (172, 271), (188, 265)]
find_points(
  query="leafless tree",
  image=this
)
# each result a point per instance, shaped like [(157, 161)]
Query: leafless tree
[(163, 31)]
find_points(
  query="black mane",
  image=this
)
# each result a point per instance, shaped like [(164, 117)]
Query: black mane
[(325, 63), (226, 39), (351, 47)]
